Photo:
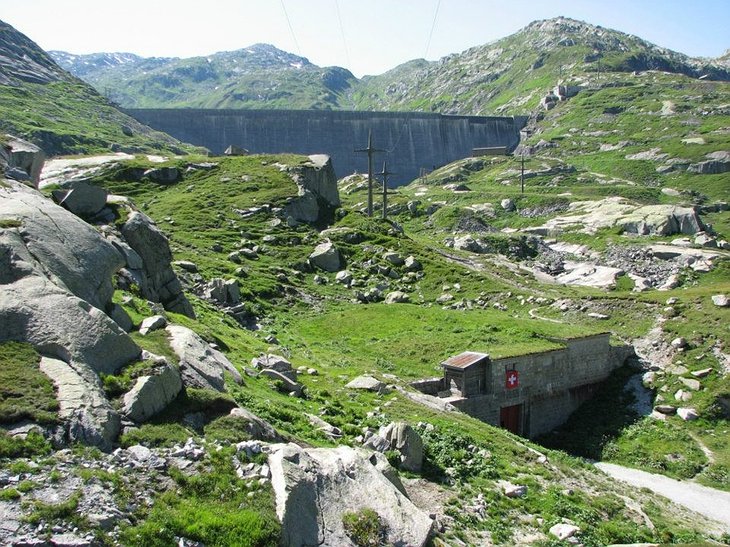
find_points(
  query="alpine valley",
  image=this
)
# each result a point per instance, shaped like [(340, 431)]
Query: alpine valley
[(201, 350)]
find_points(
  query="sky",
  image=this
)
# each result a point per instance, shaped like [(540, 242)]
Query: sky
[(365, 36)]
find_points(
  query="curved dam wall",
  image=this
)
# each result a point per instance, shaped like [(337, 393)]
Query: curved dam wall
[(411, 140)]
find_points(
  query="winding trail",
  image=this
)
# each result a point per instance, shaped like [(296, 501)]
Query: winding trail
[(714, 504)]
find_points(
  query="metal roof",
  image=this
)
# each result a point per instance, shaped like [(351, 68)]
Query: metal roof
[(464, 360)]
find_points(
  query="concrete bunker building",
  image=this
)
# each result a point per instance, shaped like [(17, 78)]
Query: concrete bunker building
[(527, 394)]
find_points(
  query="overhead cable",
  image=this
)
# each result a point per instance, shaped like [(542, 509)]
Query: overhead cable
[(433, 26), (291, 29), (342, 32)]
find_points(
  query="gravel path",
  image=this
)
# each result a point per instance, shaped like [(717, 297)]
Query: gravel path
[(714, 504)]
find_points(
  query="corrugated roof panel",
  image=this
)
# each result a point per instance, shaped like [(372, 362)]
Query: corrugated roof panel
[(464, 359)]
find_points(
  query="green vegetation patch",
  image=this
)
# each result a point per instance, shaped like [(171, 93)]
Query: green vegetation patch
[(25, 392), (212, 507), (364, 527)]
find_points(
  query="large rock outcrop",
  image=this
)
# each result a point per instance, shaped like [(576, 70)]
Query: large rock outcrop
[(630, 217), (318, 194), (315, 487), (55, 273), (156, 279), (67, 250)]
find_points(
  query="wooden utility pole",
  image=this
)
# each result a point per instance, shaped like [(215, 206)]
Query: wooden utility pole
[(385, 174), (522, 174), (370, 151)]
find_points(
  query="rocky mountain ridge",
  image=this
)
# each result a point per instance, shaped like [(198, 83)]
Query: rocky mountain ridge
[(477, 81), (258, 74)]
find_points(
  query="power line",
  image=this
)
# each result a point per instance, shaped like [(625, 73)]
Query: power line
[(291, 29), (433, 26), (342, 32)]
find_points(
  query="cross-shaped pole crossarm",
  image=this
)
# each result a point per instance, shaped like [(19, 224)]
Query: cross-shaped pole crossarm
[(370, 151), (385, 174)]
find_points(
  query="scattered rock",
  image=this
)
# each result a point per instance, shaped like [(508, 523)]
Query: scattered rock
[(691, 383), (326, 257), (225, 292), (687, 414), (508, 205), (87, 415), (151, 394), (679, 343), (514, 490), (149, 324), (158, 282), (564, 531), (327, 428), (693, 140), (403, 438), (288, 385), (163, 175), (397, 297), (256, 427), (69, 540), (274, 362), (412, 265), (648, 379), (318, 194), (18, 154), (200, 365), (394, 258), (701, 373), (717, 162), (721, 300), (599, 316), (367, 383), (344, 277), (234, 150), (666, 409)]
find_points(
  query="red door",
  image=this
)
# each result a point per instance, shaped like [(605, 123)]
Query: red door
[(510, 418)]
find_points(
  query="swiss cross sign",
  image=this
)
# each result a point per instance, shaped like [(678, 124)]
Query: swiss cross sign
[(512, 379)]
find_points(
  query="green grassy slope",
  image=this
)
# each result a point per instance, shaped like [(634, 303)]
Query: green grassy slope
[(318, 326), (60, 113)]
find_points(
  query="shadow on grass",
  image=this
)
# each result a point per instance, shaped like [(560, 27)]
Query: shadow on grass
[(598, 421)]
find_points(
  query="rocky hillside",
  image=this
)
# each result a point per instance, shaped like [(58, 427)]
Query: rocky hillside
[(45, 104), (260, 76), (512, 74)]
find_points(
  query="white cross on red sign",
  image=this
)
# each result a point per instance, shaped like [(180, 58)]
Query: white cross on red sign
[(512, 380)]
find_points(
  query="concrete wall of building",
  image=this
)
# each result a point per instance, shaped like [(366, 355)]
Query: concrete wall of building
[(552, 384), (413, 140)]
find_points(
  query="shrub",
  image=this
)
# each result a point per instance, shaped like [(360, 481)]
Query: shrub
[(364, 528), (155, 435), (14, 447)]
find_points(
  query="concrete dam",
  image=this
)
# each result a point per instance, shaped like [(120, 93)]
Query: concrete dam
[(411, 141)]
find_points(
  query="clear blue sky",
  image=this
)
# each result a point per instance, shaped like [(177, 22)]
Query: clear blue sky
[(375, 35)]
